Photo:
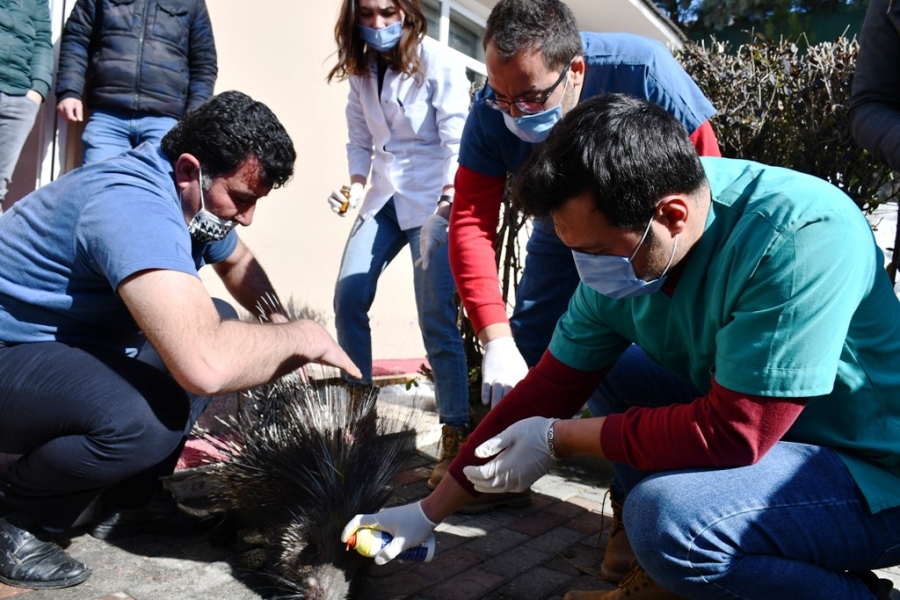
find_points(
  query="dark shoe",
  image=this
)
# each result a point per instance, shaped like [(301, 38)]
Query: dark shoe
[(880, 588), (451, 439), (618, 559), (486, 502), (26, 561), (161, 516)]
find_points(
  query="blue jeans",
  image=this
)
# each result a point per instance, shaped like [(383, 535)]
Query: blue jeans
[(372, 245), (790, 526), (17, 115), (110, 133)]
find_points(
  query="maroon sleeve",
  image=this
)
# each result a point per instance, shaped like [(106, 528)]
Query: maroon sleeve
[(473, 234), (722, 429), (551, 389)]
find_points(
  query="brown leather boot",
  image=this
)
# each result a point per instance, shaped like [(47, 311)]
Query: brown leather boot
[(637, 585), (617, 561), (451, 439)]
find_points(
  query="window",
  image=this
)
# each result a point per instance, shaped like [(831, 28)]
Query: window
[(459, 25)]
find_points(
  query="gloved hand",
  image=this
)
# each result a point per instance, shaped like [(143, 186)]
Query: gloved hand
[(501, 369), (337, 198), (433, 235), (523, 456), (408, 524)]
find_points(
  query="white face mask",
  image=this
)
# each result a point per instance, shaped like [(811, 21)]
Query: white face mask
[(206, 227), (614, 276)]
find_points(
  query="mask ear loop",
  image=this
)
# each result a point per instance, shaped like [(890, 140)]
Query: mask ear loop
[(643, 237), (671, 258), (200, 183)]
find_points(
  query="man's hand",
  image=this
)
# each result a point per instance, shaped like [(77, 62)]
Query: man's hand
[(340, 203), (432, 236), (523, 456), (319, 347), (71, 110), (408, 524), (501, 369)]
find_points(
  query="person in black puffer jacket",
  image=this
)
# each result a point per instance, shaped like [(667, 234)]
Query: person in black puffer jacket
[(26, 70), (141, 63)]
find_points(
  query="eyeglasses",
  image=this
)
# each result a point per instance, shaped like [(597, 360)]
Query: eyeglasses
[(527, 107)]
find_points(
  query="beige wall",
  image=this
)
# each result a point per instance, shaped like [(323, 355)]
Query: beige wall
[(279, 52)]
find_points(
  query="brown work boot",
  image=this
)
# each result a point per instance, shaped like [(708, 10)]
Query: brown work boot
[(451, 439), (619, 556), (637, 585)]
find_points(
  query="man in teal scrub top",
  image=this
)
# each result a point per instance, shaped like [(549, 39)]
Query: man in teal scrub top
[(765, 289)]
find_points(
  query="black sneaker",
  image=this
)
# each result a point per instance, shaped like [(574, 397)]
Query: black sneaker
[(29, 562)]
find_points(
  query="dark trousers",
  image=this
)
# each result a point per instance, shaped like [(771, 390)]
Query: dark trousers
[(86, 422)]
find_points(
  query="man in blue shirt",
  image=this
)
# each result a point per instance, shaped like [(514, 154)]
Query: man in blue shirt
[(96, 262)]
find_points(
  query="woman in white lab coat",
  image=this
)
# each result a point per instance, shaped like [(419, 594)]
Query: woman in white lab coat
[(405, 113)]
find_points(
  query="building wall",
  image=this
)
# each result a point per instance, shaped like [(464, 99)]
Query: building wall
[(279, 52)]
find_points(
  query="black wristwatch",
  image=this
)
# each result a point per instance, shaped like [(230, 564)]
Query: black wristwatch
[(446, 198)]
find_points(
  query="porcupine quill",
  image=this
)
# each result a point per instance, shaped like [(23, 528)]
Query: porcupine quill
[(304, 458)]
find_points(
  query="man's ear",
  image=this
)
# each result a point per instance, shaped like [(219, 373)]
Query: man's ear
[(578, 69), (674, 211), (186, 170)]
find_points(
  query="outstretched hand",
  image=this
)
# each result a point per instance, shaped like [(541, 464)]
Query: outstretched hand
[(407, 524)]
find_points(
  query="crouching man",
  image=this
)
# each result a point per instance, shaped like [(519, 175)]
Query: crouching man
[(87, 263), (765, 289)]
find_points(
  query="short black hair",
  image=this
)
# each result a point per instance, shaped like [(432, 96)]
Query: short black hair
[(626, 152), (547, 26), (226, 130)]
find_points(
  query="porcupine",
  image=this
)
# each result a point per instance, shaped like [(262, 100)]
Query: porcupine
[(306, 458)]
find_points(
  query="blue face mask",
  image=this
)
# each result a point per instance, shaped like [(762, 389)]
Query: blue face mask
[(383, 39), (533, 128), (614, 276)]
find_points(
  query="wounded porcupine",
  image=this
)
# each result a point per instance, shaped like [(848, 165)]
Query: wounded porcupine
[(309, 457), (305, 458)]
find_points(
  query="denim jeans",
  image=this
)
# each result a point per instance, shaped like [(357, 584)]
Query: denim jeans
[(17, 114), (372, 245), (110, 133), (789, 526)]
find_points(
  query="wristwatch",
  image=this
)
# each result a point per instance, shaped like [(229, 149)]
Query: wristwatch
[(446, 198)]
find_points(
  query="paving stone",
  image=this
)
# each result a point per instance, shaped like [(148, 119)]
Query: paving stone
[(536, 583), (557, 539), (510, 564), (498, 542), (474, 583), (537, 524)]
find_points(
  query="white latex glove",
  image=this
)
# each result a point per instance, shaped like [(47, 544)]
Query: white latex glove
[(337, 198), (408, 524), (523, 456), (501, 369), (432, 236)]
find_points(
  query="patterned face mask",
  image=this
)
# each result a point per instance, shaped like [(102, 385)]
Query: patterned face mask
[(206, 227)]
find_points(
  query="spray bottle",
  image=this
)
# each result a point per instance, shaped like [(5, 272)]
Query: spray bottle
[(369, 541)]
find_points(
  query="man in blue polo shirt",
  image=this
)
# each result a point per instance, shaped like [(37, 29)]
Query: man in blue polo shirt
[(100, 262)]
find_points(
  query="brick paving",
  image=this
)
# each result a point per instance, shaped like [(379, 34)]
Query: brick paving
[(534, 553)]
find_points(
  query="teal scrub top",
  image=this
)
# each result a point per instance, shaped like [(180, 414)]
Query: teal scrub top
[(784, 295)]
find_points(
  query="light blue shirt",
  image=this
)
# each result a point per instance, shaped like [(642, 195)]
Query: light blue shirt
[(65, 248)]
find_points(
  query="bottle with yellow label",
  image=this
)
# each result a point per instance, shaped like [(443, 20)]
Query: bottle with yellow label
[(369, 541), (345, 191)]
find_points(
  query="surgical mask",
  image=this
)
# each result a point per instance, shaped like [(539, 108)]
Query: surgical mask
[(614, 276), (535, 128), (383, 39), (207, 227)]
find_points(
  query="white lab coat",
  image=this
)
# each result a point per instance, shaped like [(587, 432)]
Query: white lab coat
[(408, 140)]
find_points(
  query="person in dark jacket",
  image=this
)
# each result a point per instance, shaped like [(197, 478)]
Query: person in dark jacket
[(26, 70), (875, 100), (146, 63)]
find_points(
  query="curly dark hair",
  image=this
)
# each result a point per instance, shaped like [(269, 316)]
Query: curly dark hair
[(227, 129), (547, 26), (353, 52), (626, 152)]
